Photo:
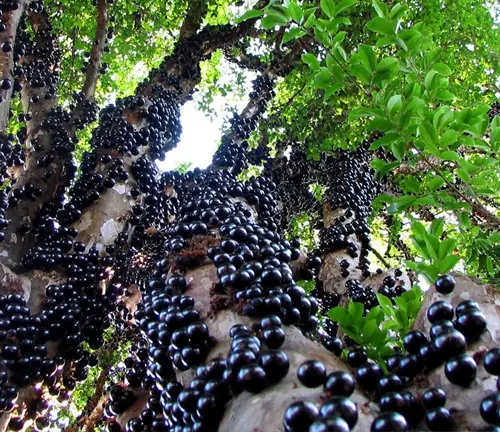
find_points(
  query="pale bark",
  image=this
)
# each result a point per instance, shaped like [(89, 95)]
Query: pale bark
[(11, 19)]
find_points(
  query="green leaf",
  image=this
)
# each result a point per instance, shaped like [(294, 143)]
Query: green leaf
[(435, 183), (430, 79), (361, 72), (356, 311), (252, 13), (418, 229), (380, 8), (388, 138), (412, 184), (375, 314), (292, 34), (397, 11), (271, 21), (442, 69), (448, 138), (394, 103), (380, 124), (382, 26), (401, 203), (296, 12), (343, 5), (366, 54), (437, 228), (401, 303), (429, 134), (445, 95), (385, 304), (448, 263), (311, 61), (388, 167), (323, 78), (432, 246), (340, 315), (449, 155), (446, 247), (328, 7), (398, 150)]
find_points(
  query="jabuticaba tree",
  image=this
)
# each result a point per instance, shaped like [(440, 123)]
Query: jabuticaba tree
[(194, 273)]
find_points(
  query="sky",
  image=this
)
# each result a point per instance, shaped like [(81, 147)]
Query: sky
[(201, 134)]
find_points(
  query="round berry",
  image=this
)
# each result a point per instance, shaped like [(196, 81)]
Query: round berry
[(461, 370), (368, 375), (414, 340), (276, 365), (440, 310), (434, 398), (450, 344), (466, 305), (339, 383), (445, 284), (472, 324), (252, 378), (335, 424), (312, 373), (490, 409), (389, 422), (342, 407), (356, 358), (300, 416), (439, 419), (492, 361)]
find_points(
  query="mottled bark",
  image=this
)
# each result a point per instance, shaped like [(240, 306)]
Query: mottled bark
[(463, 403), (92, 73), (11, 19)]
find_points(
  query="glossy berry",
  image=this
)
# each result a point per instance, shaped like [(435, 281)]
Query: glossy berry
[(273, 336), (312, 373), (434, 398), (276, 365), (461, 370), (439, 419), (445, 284), (490, 409), (389, 422), (340, 407), (368, 375), (334, 424), (466, 305), (339, 383), (440, 310), (300, 416), (491, 361), (450, 344), (252, 378), (471, 323), (414, 340), (356, 358)]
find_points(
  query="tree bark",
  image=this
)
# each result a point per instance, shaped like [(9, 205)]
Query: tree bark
[(11, 19)]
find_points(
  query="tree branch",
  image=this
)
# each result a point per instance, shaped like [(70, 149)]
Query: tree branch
[(477, 207), (92, 72), (194, 18), (11, 18)]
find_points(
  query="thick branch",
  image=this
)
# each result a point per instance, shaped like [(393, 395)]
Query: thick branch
[(11, 20), (92, 72), (194, 18)]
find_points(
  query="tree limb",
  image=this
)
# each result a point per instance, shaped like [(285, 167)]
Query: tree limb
[(194, 18), (11, 19), (92, 72)]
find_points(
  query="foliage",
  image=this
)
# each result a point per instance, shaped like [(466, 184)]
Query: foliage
[(439, 151), (383, 327), (302, 229)]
